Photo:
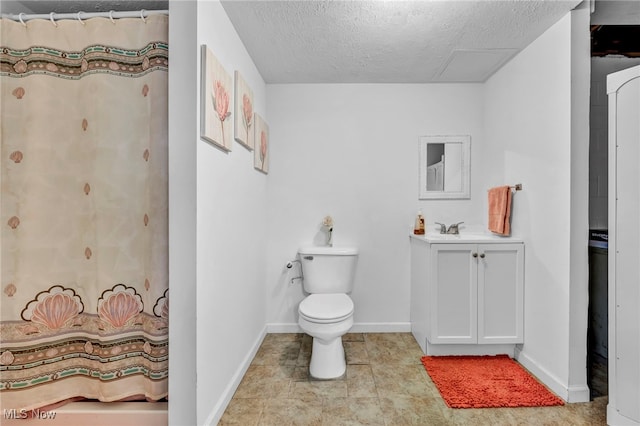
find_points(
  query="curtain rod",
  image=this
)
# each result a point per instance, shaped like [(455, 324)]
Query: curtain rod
[(81, 16)]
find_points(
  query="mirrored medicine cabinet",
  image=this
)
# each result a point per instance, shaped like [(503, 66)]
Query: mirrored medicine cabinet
[(445, 167)]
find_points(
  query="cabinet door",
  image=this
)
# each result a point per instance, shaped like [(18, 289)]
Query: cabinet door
[(625, 311), (454, 296), (500, 293), (419, 292)]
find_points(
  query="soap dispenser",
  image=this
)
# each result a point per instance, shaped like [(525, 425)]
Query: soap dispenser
[(418, 229)]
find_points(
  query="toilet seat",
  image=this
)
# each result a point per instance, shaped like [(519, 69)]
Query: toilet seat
[(326, 308)]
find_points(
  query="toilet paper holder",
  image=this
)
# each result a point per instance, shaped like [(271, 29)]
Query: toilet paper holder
[(289, 266)]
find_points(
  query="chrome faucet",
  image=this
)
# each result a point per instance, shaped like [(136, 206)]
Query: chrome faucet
[(453, 229)]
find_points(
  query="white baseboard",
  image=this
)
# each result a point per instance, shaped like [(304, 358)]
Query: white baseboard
[(218, 410), (568, 393), (579, 394), (381, 327), (359, 327), (283, 327)]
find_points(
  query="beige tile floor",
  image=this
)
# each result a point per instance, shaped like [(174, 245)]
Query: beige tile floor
[(385, 384)]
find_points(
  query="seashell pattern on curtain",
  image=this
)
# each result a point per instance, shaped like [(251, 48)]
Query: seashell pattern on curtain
[(83, 213)]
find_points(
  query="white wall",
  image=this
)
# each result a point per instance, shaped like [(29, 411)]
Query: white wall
[(231, 235), (578, 390), (182, 212), (351, 151), (528, 122)]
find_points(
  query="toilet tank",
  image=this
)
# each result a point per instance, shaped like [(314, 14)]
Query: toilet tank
[(328, 269)]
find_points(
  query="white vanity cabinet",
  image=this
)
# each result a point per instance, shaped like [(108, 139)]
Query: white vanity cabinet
[(467, 294)]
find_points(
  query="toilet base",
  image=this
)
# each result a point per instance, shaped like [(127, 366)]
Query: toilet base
[(327, 359)]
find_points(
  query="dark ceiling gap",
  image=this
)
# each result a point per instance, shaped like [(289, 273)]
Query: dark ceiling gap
[(623, 40)]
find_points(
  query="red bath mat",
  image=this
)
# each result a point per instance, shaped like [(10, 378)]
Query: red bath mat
[(486, 381)]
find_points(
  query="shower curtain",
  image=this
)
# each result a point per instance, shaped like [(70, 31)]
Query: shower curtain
[(84, 268)]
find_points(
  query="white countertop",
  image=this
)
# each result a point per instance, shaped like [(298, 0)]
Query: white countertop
[(464, 237)]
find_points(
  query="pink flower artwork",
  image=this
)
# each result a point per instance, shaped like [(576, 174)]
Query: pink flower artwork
[(216, 102), (247, 113), (263, 148), (261, 154), (221, 101), (221, 105), (244, 121)]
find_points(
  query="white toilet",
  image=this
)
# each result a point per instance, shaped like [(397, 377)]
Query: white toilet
[(327, 313)]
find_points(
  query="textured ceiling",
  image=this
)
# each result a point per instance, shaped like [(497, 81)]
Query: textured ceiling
[(388, 41), (616, 12), (394, 41)]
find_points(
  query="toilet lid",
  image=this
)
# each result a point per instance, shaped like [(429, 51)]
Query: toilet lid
[(326, 306)]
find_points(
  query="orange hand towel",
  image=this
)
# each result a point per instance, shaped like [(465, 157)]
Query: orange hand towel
[(500, 210)]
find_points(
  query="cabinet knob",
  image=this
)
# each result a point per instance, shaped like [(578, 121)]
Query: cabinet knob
[(482, 256), (474, 254)]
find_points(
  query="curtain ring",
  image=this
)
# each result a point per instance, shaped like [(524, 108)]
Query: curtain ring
[(111, 17), (79, 19), (20, 19), (51, 19), (142, 16)]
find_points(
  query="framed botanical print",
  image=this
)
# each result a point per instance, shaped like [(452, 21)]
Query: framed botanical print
[(243, 117), (215, 98), (261, 151)]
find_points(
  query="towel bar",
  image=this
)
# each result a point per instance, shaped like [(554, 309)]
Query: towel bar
[(517, 187)]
